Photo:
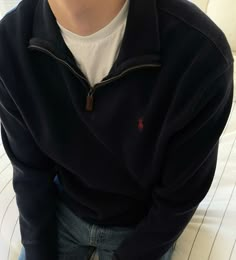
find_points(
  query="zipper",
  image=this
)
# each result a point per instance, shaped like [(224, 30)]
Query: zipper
[(90, 98)]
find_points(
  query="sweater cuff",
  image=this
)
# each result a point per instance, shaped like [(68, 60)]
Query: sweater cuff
[(39, 252), (115, 257)]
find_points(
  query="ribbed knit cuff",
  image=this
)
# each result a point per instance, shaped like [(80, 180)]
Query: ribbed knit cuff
[(115, 257), (39, 252)]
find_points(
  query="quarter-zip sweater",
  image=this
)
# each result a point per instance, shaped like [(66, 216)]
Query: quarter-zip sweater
[(139, 148), (96, 53)]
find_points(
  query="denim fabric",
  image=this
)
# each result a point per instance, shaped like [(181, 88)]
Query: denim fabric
[(77, 239)]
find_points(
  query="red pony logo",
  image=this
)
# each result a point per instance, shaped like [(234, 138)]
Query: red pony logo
[(140, 124)]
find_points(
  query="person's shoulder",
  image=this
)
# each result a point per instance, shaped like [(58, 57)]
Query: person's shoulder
[(186, 14), (17, 17), (15, 32), (16, 28)]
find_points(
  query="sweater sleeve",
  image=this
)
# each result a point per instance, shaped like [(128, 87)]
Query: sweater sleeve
[(188, 168), (33, 175)]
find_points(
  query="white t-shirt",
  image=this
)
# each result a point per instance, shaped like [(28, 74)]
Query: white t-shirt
[(96, 53)]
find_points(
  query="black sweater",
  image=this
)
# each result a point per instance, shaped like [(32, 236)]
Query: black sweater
[(140, 149)]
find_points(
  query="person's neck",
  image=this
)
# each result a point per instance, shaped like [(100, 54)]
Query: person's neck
[(85, 17)]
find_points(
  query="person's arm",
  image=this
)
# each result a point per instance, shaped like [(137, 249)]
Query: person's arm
[(195, 126), (33, 174)]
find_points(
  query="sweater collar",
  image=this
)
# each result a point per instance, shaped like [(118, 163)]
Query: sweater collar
[(141, 41)]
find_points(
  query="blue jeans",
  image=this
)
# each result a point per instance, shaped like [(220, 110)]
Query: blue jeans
[(77, 239)]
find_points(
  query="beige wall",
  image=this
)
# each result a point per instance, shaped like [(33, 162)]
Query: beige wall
[(201, 4)]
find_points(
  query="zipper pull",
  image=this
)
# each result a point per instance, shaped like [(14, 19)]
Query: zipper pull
[(90, 101)]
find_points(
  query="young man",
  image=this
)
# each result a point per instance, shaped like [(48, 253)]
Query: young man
[(111, 115)]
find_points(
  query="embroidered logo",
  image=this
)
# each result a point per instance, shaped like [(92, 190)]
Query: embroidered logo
[(140, 124)]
